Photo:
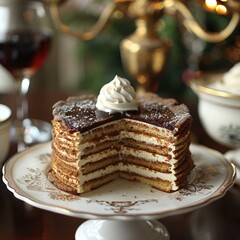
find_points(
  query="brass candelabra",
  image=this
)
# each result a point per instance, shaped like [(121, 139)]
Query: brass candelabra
[(144, 53)]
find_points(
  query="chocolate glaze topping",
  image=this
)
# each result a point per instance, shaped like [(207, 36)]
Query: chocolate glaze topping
[(80, 113)]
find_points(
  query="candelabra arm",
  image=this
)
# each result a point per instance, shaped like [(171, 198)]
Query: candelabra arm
[(93, 32), (191, 24)]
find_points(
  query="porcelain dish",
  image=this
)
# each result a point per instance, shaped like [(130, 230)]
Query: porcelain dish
[(25, 176)]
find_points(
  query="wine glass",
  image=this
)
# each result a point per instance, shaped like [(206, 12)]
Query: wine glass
[(25, 37)]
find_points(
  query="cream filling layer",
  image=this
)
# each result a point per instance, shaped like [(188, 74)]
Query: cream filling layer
[(64, 177), (131, 169), (147, 156), (143, 138), (127, 151), (128, 124), (124, 133), (113, 152), (67, 154)]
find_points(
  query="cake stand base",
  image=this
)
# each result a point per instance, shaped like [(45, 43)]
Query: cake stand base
[(121, 229)]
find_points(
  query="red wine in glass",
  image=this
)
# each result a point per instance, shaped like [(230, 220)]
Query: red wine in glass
[(23, 52), (25, 36)]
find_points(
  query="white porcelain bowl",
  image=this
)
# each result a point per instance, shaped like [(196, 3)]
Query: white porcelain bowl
[(5, 124), (219, 111)]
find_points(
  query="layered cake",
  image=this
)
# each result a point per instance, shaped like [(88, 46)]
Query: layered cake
[(118, 135)]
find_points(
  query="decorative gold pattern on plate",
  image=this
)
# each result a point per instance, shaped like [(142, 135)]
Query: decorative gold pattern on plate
[(123, 207), (36, 180), (26, 176), (200, 184)]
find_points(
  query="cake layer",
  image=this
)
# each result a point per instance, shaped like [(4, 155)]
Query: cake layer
[(91, 171), (130, 172), (125, 146), (106, 141)]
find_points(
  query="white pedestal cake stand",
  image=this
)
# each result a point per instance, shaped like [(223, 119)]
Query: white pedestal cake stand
[(121, 209)]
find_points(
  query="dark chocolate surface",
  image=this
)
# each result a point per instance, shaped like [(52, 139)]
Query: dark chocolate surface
[(80, 113)]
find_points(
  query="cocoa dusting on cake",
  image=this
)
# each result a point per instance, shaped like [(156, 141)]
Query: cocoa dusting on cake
[(81, 114), (162, 112)]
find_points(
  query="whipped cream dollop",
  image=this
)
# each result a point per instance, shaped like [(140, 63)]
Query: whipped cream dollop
[(117, 96), (230, 81)]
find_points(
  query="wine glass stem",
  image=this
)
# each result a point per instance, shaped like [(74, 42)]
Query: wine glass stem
[(22, 104)]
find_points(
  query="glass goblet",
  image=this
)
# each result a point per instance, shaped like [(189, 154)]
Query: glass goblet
[(25, 37)]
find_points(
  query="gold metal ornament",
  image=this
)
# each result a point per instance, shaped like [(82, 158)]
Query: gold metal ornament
[(144, 53)]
